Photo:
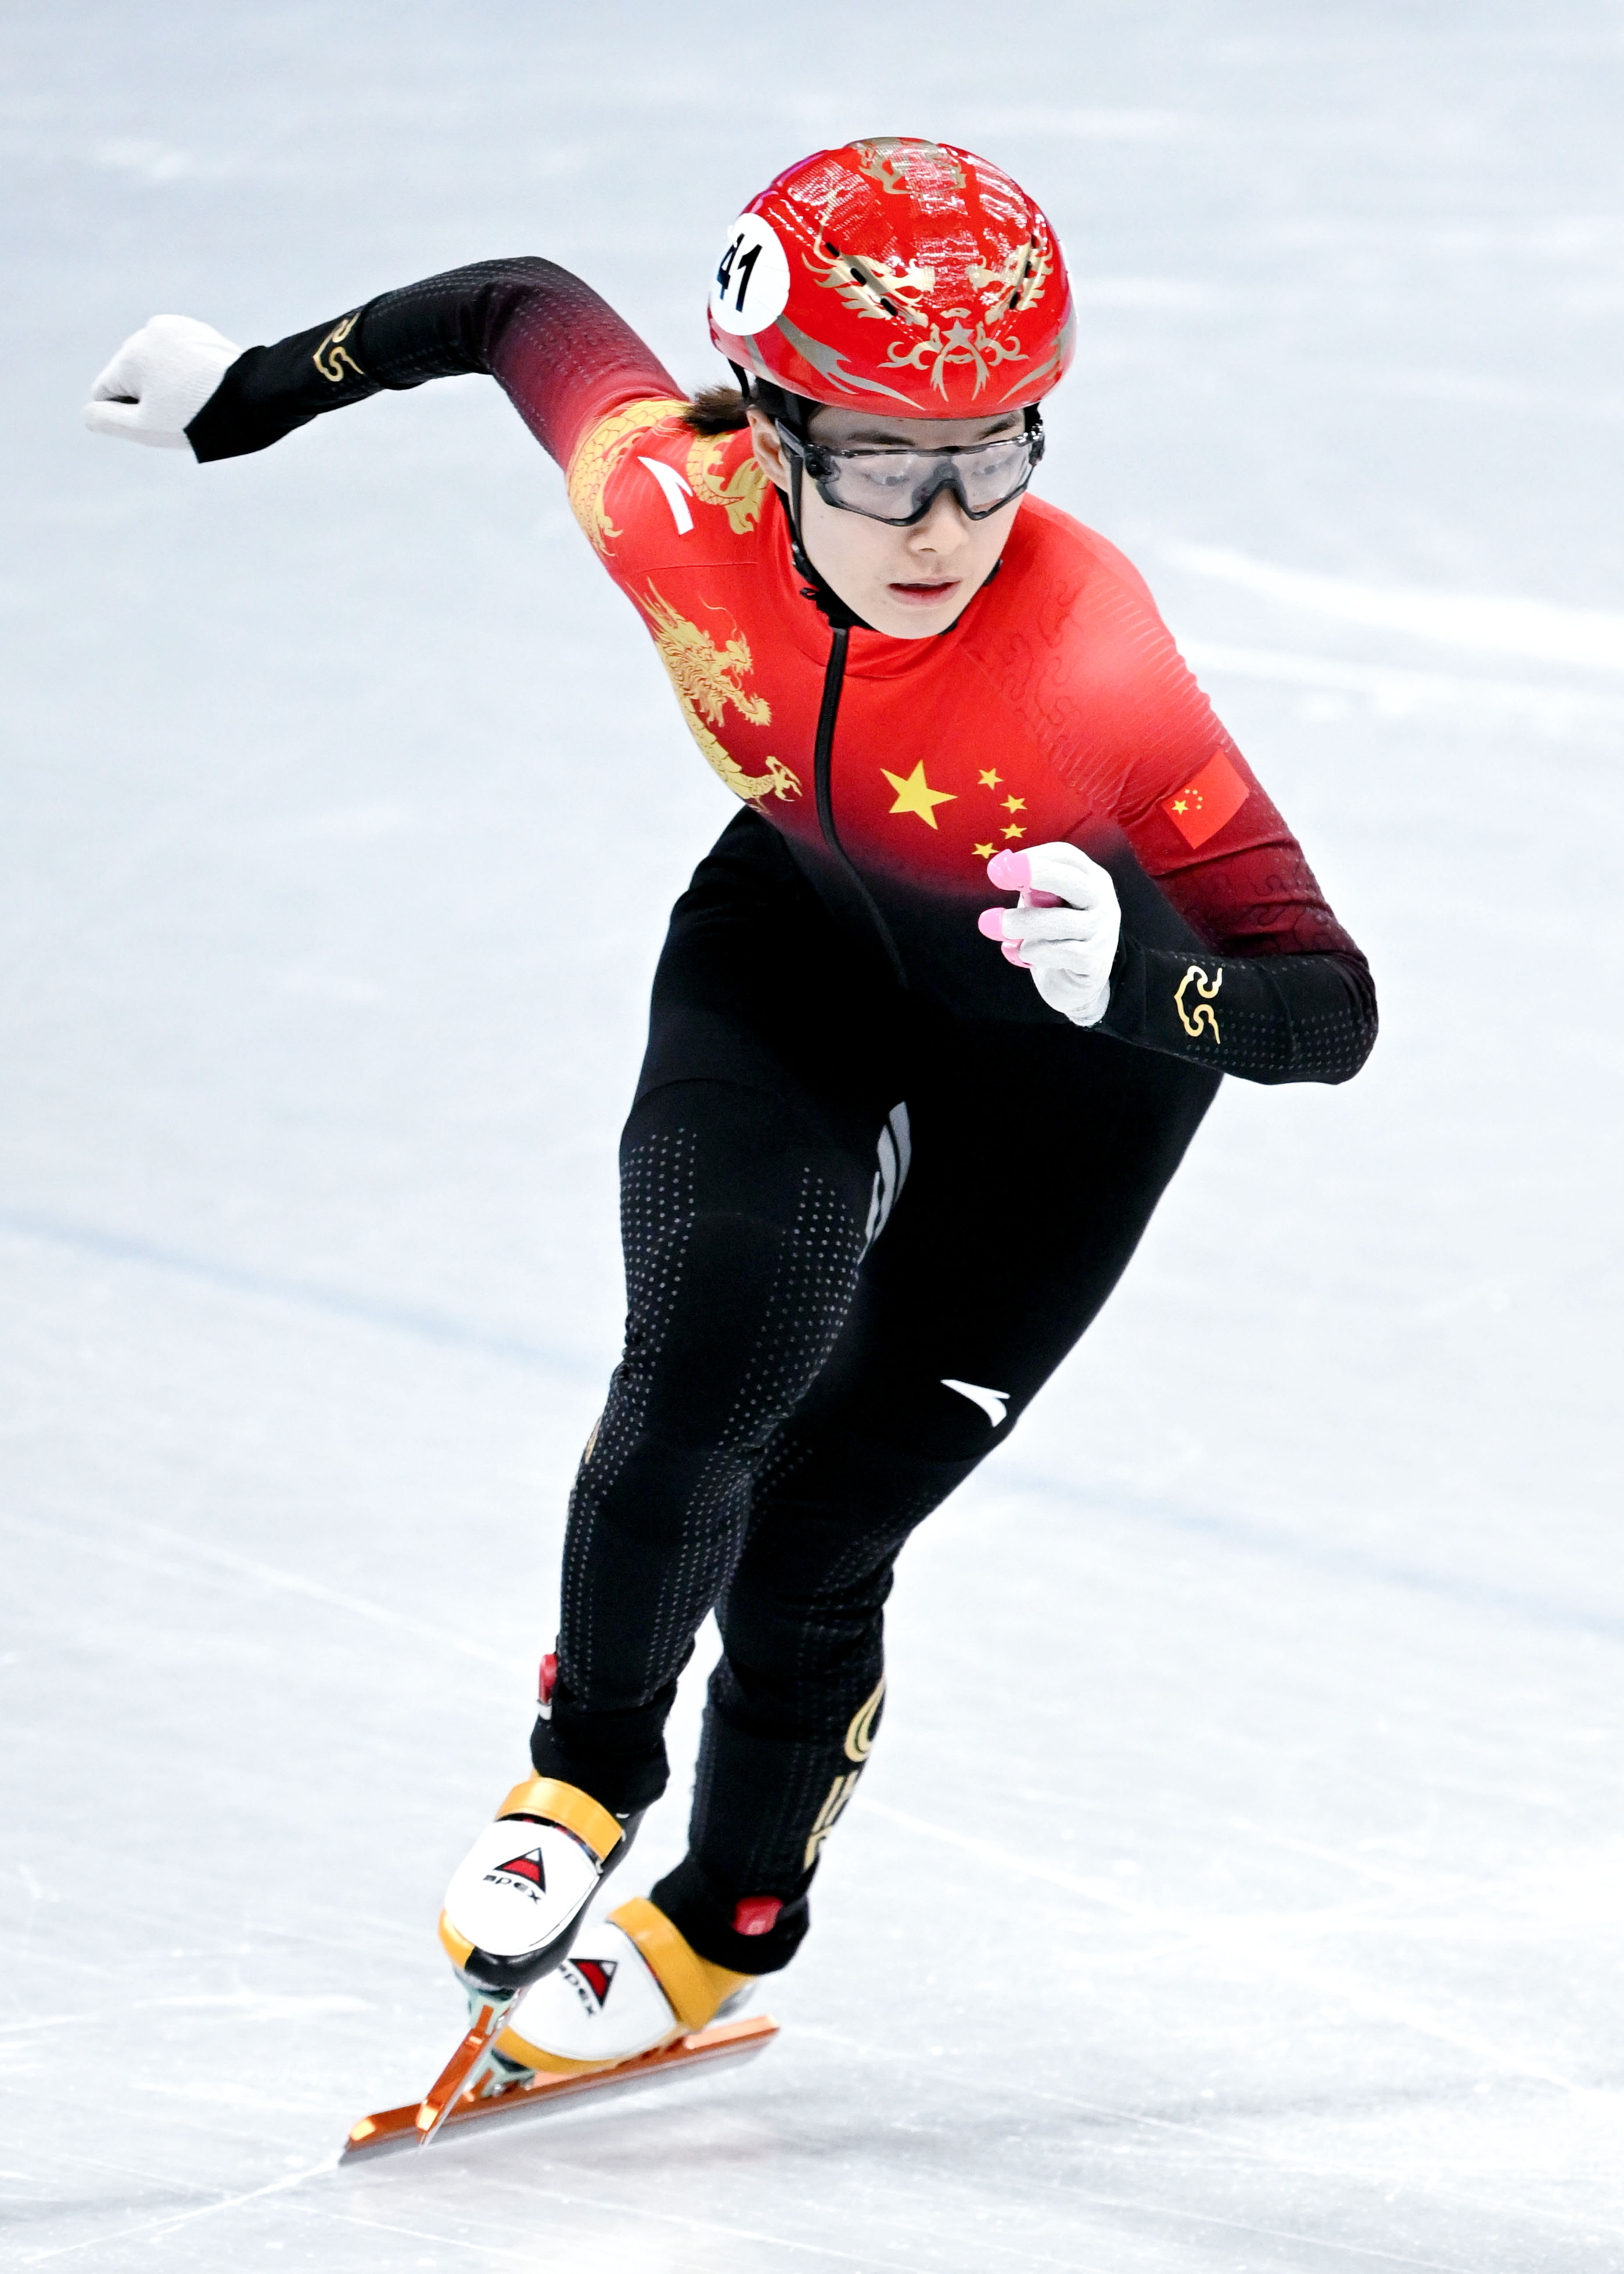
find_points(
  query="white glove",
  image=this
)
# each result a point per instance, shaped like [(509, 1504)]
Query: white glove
[(159, 381), (1065, 929)]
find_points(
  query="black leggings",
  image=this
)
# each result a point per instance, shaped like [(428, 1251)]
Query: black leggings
[(836, 1203)]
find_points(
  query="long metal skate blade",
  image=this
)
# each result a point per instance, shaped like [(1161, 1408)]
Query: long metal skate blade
[(462, 2072), (723, 2042)]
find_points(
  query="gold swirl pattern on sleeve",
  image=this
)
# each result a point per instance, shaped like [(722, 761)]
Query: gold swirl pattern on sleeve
[(332, 358), (1204, 1014)]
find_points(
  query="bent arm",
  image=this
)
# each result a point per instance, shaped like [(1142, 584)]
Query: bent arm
[(561, 353), (1293, 999), (1303, 1016), (1291, 995)]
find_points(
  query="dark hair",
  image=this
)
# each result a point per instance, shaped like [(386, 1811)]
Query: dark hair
[(716, 410), (724, 409)]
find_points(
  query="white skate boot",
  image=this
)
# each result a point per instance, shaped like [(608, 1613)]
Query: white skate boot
[(516, 1899), (512, 1910), (633, 2003), (631, 1985)]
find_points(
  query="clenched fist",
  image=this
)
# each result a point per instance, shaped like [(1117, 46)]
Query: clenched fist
[(159, 381), (1065, 930)]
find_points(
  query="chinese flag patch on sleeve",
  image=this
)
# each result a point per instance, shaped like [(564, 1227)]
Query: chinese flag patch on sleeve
[(1200, 808)]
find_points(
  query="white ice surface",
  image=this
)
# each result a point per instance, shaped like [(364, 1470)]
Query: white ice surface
[(1239, 1883)]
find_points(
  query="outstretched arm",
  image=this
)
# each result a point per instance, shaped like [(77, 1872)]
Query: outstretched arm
[(561, 353)]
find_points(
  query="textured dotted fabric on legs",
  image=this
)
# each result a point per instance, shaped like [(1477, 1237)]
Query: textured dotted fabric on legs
[(743, 1229), (783, 1416)]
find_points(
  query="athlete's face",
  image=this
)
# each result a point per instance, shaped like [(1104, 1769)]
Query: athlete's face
[(911, 582)]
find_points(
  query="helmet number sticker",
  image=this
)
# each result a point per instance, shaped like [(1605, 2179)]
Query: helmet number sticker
[(752, 278)]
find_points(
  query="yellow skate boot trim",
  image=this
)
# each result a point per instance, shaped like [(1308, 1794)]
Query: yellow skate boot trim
[(458, 1948), (567, 1805), (694, 1987)]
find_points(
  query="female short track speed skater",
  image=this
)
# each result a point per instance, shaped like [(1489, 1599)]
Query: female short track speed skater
[(915, 676)]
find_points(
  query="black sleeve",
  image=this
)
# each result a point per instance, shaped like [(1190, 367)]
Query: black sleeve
[(1266, 1017), (269, 391), (561, 353)]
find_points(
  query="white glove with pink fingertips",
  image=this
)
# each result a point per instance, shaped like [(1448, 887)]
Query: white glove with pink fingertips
[(1065, 928)]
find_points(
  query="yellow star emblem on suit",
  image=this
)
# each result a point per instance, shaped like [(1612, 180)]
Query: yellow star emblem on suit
[(915, 794)]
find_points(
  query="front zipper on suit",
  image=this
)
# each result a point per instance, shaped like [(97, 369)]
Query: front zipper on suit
[(829, 711)]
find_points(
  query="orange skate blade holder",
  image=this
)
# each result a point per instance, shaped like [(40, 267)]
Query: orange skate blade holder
[(402, 2127), (462, 2074)]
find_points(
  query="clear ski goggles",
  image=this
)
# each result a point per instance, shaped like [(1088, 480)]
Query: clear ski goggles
[(884, 483)]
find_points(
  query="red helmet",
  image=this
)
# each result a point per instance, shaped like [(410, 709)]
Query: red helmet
[(895, 271)]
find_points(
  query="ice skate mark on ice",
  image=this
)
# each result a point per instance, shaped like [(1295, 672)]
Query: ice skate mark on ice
[(311, 1295), (993, 1403), (233, 2009), (152, 2227), (1500, 1602), (1392, 692), (1240, 1938), (1496, 624), (267, 1577)]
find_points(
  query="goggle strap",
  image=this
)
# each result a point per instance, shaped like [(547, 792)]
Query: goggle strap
[(819, 461)]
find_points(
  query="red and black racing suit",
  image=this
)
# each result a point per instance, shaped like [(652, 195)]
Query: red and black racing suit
[(846, 1086)]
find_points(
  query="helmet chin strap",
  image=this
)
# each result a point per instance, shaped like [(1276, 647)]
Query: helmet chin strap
[(814, 586)]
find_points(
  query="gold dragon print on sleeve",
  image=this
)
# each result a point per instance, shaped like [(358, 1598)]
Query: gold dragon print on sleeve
[(743, 492), (707, 678)]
